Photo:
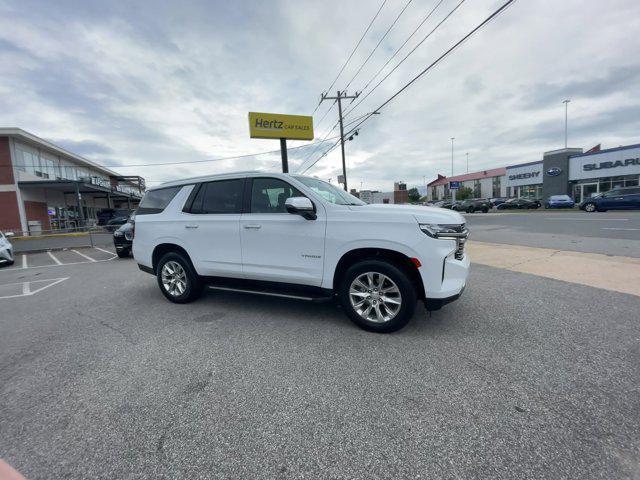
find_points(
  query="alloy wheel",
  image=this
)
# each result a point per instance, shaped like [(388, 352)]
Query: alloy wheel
[(590, 207), (375, 297), (174, 278)]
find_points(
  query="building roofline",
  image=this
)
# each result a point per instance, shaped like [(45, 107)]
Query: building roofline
[(615, 149), (579, 150), (29, 137), (524, 164)]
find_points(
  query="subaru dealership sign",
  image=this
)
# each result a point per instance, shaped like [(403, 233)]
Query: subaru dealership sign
[(610, 163)]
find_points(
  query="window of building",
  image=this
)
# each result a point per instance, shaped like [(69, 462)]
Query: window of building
[(477, 190), (268, 195), (496, 186)]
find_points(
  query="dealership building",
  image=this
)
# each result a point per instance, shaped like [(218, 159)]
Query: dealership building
[(44, 187), (566, 171)]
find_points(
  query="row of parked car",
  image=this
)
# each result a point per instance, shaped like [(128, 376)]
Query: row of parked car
[(622, 198)]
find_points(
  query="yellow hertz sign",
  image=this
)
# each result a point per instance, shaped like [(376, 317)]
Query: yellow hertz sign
[(275, 125)]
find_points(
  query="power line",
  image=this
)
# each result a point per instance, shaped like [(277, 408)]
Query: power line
[(403, 44), (352, 52), (378, 44), (407, 55), (497, 12), (187, 162), (445, 54)]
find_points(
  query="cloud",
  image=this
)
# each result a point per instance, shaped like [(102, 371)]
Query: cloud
[(149, 82)]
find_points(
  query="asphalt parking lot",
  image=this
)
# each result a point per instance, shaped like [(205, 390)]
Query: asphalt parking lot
[(609, 233), (101, 377)]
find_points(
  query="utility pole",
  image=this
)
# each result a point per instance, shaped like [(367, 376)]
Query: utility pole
[(341, 96), (467, 162), (566, 121)]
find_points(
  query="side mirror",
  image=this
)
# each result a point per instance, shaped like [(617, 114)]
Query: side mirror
[(9, 234), (301, 206)]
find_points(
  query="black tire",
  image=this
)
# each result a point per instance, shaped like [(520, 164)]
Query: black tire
[(192, 283), (123, 253), (408, 297), (590, 207), (470, 210), (485, 210)]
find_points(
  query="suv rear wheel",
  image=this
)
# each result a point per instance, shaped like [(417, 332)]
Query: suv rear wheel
[(377, 296), (177, 279)]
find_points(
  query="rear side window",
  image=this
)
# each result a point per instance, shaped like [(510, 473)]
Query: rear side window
[(222, 196), (155, 201)]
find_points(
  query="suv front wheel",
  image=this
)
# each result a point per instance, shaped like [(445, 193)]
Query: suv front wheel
[(377, 296), (177, 279)]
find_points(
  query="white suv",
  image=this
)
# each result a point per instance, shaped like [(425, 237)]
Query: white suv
[(296, 236)]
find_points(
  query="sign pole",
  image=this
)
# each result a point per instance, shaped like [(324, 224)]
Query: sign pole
[(285, 158)]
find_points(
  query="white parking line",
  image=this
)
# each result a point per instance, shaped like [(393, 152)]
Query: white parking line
[(85, 256), (623, 229), (54, 258), (24, 260), (591, 219), (26, 286), (103, 250)]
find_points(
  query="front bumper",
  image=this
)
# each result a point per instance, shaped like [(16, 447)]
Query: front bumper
[(121, 243), (432, 304), (6, 255)]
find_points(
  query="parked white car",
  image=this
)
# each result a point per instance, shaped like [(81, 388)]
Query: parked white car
[(6, 249), (297, 236)]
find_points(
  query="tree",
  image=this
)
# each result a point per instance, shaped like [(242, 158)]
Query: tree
[(464, 193), (413, 195)]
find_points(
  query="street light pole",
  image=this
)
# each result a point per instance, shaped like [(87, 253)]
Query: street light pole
[(467, 162), (452, 139), (453, 192), (566, 121)]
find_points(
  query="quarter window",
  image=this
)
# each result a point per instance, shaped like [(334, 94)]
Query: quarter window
[(155, 201), (268, 195)]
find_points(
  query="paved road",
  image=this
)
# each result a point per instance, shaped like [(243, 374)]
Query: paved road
[(610, 233), (524, 377)]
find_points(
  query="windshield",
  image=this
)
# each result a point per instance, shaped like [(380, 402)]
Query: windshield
[(329, 192)]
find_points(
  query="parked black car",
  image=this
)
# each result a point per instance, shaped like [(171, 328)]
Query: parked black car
[(123, 240), (111, 217), (519, 203), (448, 204), (497, 201), (472, 205)]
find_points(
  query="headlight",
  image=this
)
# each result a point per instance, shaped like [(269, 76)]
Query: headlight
[(437, 230), (117, 233)]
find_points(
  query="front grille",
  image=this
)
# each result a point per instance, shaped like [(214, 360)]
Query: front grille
[(460, 236), (460, 248)]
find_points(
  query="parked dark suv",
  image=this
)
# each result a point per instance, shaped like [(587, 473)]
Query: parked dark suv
[(113, 217), (473, 205), (624, 198)]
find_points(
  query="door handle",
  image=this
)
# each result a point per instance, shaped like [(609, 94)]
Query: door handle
[(191, 226), (255, 226)]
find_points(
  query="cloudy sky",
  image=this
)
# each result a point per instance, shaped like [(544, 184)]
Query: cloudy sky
[(129, 83)]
